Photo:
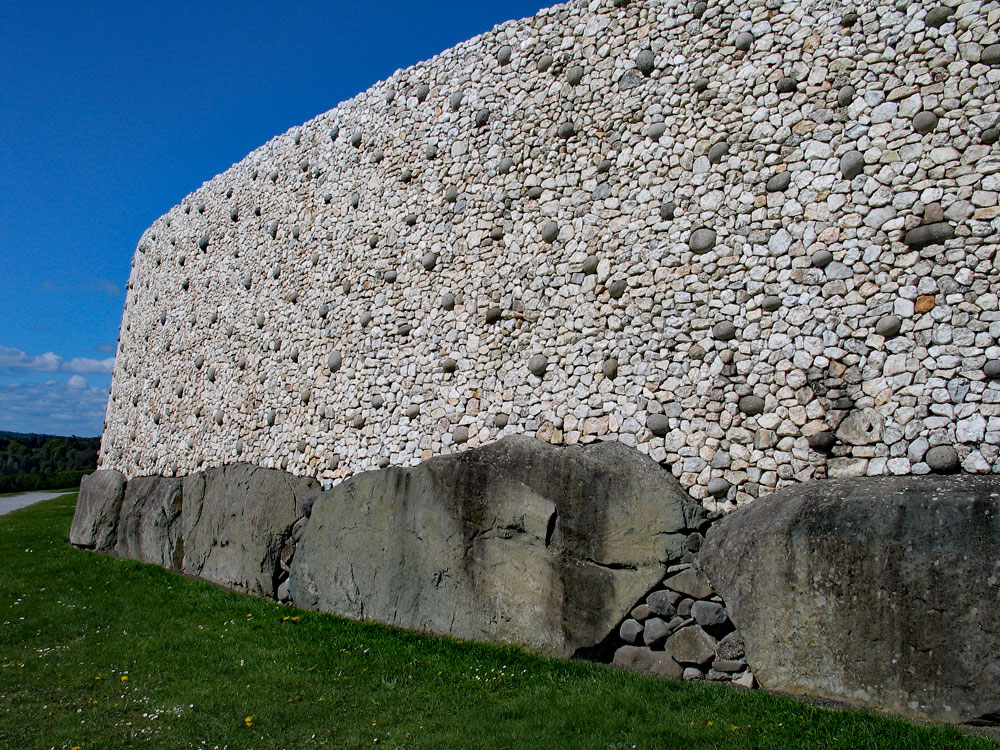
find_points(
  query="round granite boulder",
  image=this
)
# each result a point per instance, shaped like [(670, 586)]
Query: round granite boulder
[(702, 240)]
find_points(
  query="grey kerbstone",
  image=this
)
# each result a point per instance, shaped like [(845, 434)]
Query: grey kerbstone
[(717, 151), (691, 582), (888, 326), (429, 261), (149, 523), (724, 330), (894, 554), (538, 364), (646, 661), (95, 522), (234, 520), (744, 41), (566, 130), (691, 645), (550, 231), (938, 16), (630, 630), (929, 234), (609, 545), (822, 258), (610, 368), (708, 614), (655, 632), (662, 603), (925, 122), (718, 487), (771, 303), (702, 240), (779, 182), (574, 74), (851, 164), (943, 459), (658, 424), (751, 405), (645, 62)]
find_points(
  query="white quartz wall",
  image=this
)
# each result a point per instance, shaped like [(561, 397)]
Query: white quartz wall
[(407, 231)]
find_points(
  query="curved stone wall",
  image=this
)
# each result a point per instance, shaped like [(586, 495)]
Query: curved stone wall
[(755, 240)]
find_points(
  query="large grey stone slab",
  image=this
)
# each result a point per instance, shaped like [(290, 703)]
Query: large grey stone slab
[(516, 542), (149, 522), (880, 592), (235, 521), (95, 521)]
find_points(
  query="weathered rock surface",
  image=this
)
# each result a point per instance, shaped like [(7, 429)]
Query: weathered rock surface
[(95, 523), (880, 592), (236, 519), (518, 542), (227, 525), (149, 522)]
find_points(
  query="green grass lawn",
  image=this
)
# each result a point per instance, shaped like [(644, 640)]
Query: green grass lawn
[(100, 653)]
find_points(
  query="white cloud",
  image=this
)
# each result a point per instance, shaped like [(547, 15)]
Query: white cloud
[(15, 359), (53, 407)]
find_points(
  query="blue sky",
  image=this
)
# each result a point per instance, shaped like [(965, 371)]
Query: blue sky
[(111, 112)]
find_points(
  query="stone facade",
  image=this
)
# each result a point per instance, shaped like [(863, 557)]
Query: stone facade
[(755, 240)]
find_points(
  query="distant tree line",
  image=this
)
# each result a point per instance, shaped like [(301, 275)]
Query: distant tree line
[(46, 454)]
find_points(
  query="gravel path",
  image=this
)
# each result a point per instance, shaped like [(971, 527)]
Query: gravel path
[(14, 502)]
